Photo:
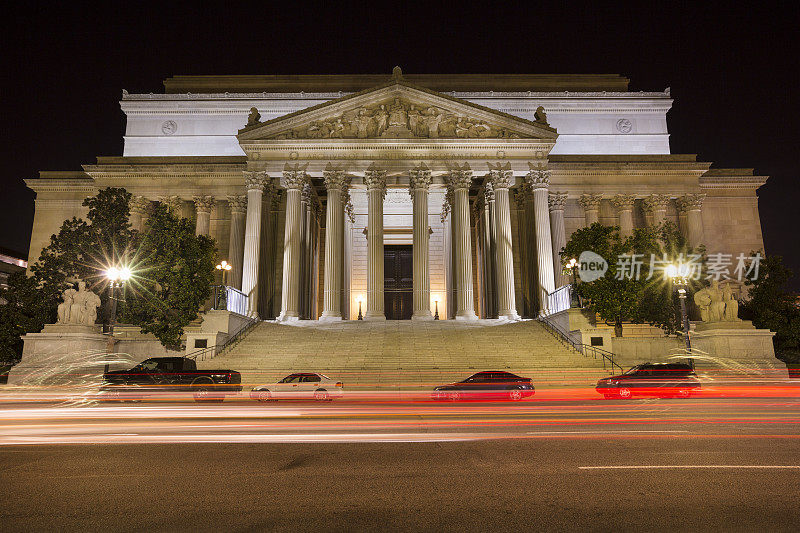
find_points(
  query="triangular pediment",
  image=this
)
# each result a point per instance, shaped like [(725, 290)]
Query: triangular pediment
[(398, 110)]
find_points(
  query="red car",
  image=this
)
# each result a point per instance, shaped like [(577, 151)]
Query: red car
[(651, 379), (489, 385)]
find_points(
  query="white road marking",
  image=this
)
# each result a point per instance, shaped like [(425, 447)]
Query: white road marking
[(607, 432), (655, 467)]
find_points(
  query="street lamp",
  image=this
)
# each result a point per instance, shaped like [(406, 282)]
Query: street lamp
[(679, 277), (436, 314), (116, 276), (225, 267), (360, 316), (575, 299)]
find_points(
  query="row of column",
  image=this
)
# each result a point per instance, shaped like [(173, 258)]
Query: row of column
[(655, 209), (544, 226), (542, 238), (459, 182), (140, 208)]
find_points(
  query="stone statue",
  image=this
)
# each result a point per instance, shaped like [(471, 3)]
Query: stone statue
[(717, 304), (447, 127), (731, 305), (65, 306), (717, 307), (254, 117), (363, 123), (703, 300), (432, 120), (415, 122), (397, 119), (381, 120), (541, 116), (78, 307), (397, 114)]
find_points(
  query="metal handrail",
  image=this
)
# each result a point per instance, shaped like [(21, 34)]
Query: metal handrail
[(559, 300), (230, 299), (584, 349), (200, 355)]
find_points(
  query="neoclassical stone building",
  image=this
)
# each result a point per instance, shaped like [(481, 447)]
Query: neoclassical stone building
[(400, 196)]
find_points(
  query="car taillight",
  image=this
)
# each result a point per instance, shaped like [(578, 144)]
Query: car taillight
[(339, 384)]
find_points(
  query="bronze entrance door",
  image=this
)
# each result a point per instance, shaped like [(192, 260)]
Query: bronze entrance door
[(398, 287)]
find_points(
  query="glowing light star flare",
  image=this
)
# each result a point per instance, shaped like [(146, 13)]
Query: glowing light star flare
[(113, 273)]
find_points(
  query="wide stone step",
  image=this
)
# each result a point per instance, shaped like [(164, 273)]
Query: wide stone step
[(404, 354)]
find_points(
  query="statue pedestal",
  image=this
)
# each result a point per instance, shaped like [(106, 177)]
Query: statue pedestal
[(726, 325), (61, 354), (736, 348)]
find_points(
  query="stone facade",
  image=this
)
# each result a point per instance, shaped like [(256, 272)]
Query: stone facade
[(504, 186)]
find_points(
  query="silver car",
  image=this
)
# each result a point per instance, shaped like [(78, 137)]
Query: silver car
[(299, 386)]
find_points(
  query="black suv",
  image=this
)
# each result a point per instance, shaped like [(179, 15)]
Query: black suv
[(492, 385), (651, 379)]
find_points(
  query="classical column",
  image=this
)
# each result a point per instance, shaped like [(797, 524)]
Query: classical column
[(558, 235), (539, 183), (489, 249), (532, 281), (506, 298), (203, 205), (174, 204), (305, 247), (418, 183), (690, 206), (273, 207), (655, 209), (238, 207), (255, 182), (375, 180), (461, 180), (294, 180), (334, 244), (624, 206), (591, 207), (139, 207)]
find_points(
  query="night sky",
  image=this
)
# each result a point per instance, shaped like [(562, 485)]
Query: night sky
[(733, 73)]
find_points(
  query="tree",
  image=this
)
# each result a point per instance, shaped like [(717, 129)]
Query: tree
[(84, 250), (771, 305), (174, 270), (632, 289), (23, 310)]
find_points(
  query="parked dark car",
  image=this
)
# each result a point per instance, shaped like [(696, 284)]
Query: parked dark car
[(171, 374), (651, 379), (491, 385)]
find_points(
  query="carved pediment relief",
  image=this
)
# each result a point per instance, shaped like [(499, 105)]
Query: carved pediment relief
[(399, 118)]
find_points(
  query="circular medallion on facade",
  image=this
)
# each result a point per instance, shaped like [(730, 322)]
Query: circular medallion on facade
[(169, 127), (501, 154), (624, 125)]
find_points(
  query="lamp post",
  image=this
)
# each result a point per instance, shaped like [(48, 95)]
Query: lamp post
[(221, 291), (575, 299), (360, 316), (436, 314), (225, 267), (677, 274), (116, 276)]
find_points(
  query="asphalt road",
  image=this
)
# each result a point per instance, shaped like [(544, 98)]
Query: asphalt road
[(654, 465)]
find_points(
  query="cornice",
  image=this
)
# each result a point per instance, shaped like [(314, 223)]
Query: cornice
[(151, 97), (60, 184), (287, 104), (733, 182)]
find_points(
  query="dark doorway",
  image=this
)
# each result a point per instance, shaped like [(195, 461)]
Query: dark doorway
[(398, 282)]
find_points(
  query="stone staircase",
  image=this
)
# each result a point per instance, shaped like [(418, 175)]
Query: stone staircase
[(401, 354)]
